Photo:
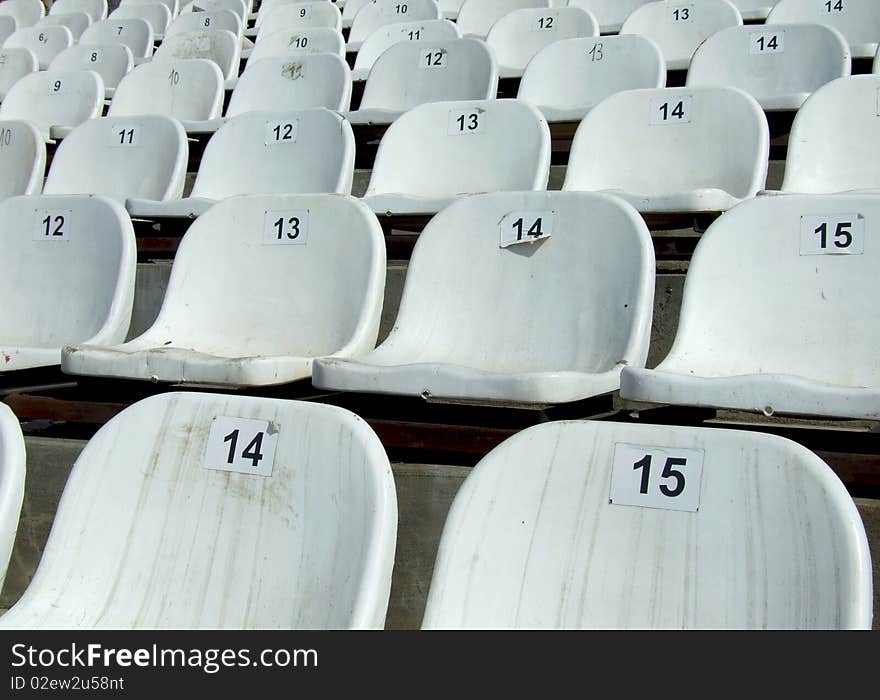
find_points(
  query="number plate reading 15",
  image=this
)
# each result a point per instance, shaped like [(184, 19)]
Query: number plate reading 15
[(525, 227), (833, 234), (656, 477), (241, 445), (52, 224), (286, 227)]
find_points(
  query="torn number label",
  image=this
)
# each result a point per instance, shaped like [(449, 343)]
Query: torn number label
[(525, 227), (241, 445)]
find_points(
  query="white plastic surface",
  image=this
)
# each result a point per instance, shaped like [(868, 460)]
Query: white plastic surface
[(754, 9), (540, 321), (22, 158), (173, 6), (111, 61), (12, 478), (385, 37), (476, 17), (380, 13), (350, 9), (609, 13), (531, 540), (14, 65), (300, 16), (239, 7), (72, 286), (95, 9), (26, 12), (779, 65), (673, 149), (7, 27), (679, 27), (204, 20), (76, 22), (267, 6), (156, 14), (135, 33), (450, 8), (294, 42), (857, 20), (45, 42), (311, 546), (217, 45)]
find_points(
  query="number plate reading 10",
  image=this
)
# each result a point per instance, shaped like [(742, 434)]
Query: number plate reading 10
[(286, 227), (52, 224), (656, 477), (525, 227), (833, 234), (241, 445)]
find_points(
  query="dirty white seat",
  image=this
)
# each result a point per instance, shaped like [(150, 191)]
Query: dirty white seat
[(293, 42), (411, 73), (778, 65), (610, 14), (380, 13), (69, 262), (679, 28), (45, 42), (156, 14), (55, 101), (602, 525), (22, 158), (190, 90), (350, 10), (305, 152), (95, 9), (519, 35), (112, 61), (487, 318), (217, 45), (442, 150), (857, 20), (299, 531), (300, 15), (204, 21), (776, 286), (121, 157), (12, 478), (476, 17), (135, 33), (14, 65), (681, 150), (26, 12), (323, 255), (267, 6), (567, 78), (7, 27), (385, 37), (76, 22), (239, 7)]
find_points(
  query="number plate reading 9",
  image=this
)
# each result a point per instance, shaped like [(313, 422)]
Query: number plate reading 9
[(525, 227), (656, 477), (286, 227), (833, 234), (52, 224), (241, 445)]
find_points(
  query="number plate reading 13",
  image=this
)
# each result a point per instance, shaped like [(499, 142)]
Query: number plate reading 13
[(656, 477), (525, 227), (286, 227), (241, 445)]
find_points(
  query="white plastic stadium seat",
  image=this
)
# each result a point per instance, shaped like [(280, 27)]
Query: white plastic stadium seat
[(380, 13), (778, 65), (675, 150), (442, 150), (121, 157), (14, 65), (569, 77), (7, 27), (301, 15), (95, 9), (411, 73), (450, 8), (306, 152), (12, 478), (857, 20), (111, 61), (239, 7), (476, 17), (385, 37), (775, 287), (754, 9), (76, 22), (834, 140), (173, 6), (136, 34), (26, 12), (350, 9), (217, 45), (293, 42), (600, 525), (519, 35), (282, 515), (506, 301), (610, 14), (69, 262), (679, 28), (203, 21), (45, 42), (323, 255), (22, 159), (156, 14), (267, 6), (55, 101)]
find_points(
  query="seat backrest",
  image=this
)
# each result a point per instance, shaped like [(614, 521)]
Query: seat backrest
[(26, 12), (383, 12), (55, 98), (284, 83), (833, 145), (205, 20), (292, 42), (266, 6), (736, 316), (22, 159), (857, 20), (141, 157), (173, 6), (390, 34), (134, 32), (300, 15), (582, 72), (300, 526), (76, 22), (239, 7), (71, 263), (476, 17), (679, 28), (501, 306), (217, 45), (445, 149), (594, 524), (95, 9), (411, 73), (351, 8), (186, 89), (12, 478), (7, 27), (610, 14), (45, 42), (156, 14), (771, 62), (111, 61), (671, 140), (15, 64), (519, 35)]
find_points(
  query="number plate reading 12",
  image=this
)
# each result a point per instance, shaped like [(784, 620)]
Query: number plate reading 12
[(241, 445), (52, 224), (656, 477), (833, 234), (286, 227), (525, 227)]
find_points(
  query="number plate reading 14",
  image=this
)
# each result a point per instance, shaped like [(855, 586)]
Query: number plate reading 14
[(676, 110), (833, 234), (525, 227), (241, 445), (286, 227), (656, 477)]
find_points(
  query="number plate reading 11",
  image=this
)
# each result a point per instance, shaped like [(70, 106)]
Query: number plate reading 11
[(525, 227), (656, 477), (289, 227), (833, 234), (241, 445)]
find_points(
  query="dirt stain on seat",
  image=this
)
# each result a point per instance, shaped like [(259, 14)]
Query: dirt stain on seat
[(292, 71)]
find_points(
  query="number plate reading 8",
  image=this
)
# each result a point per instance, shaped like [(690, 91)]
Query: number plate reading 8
[(470, 121), (675, 110), (767, 42), (833, 234), (52, 224), (241, 445), (525, 227), (656, 477), (281, 133), (286, 227)]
